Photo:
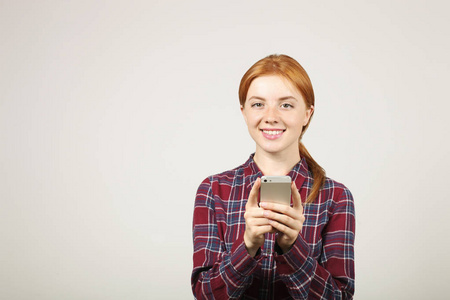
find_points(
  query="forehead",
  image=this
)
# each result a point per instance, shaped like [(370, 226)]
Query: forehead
[(272, 85)]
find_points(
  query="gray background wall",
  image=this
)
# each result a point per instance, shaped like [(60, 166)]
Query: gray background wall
[(113, 112)]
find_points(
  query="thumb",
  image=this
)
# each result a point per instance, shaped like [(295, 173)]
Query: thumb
[(254, 194), (296, 198)]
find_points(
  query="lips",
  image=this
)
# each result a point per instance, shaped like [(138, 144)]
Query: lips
[(272, 134)]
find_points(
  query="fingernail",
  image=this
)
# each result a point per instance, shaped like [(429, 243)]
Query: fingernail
[(266, 214), (263, 204)]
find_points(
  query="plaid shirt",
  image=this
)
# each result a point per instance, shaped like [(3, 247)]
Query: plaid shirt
[(320, 265)]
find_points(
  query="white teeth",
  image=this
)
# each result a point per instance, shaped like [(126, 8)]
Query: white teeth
[(272, 132)]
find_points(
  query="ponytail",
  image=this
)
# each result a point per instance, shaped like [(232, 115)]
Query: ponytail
[(317, 171)]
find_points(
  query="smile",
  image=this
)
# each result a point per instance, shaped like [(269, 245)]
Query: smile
[(272, 134)]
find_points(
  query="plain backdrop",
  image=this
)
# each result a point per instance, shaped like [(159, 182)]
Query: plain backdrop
[(113, 112)]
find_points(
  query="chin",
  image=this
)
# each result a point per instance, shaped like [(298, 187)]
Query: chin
[(271, 150)]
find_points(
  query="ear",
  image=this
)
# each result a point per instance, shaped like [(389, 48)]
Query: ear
[(243, 114), (308, 114)]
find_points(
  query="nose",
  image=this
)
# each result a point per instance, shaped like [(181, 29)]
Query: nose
[(271, 116)]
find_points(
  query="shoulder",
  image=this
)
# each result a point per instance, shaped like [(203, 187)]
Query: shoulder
[(337, 195), (334, 188), (221, 183), (228, 177)]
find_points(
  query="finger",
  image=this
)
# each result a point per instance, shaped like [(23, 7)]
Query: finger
[(296, 198), (254, 193), (289, 232), (284, 219), (258, 222), (254, 212), (262, 229), (279, 208)]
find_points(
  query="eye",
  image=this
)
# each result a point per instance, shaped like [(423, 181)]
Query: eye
[(286, 105), (257, 104)]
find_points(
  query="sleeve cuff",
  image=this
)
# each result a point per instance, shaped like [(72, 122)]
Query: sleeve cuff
[(294, 259), (241, 261)]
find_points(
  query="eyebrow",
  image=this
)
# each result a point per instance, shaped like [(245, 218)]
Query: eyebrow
[(279, 99), (287, 98)]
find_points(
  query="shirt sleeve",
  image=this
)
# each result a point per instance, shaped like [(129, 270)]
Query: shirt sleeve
[(217, 273), (332, 276)]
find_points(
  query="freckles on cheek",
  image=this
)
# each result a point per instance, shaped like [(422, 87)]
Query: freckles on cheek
[(255, 119)]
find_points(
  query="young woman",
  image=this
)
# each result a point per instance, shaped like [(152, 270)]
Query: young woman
[(246, 249)]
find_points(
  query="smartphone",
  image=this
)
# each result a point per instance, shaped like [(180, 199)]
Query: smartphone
[(276, 189)]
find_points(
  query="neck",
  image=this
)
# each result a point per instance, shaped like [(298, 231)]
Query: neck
[(276, 164)]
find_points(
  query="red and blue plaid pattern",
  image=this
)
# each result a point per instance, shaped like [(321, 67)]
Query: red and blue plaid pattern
[(320, 265)]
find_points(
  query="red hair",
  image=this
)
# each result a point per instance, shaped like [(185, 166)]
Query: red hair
[(290, 69)]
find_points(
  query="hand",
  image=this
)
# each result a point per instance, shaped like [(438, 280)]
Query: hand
[(256, 225), (288, 221)]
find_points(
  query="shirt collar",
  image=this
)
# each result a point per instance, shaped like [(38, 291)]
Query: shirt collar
[(252, 169)]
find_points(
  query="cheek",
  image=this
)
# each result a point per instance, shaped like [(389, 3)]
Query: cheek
[(303, 119), (296, 120), (253, 119)]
